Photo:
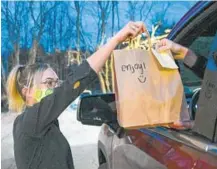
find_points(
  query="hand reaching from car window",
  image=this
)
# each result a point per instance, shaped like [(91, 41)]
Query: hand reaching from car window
[(182, 125), (179, 51)]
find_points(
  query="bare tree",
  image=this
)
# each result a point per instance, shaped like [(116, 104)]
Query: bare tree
[(4, 100), (160, 17), (147, 11), (141, 11), (132, 9), (113, 16), (39, 13), (65, 31), (104, 13), (117, 13), (13, 20), (78, 23)]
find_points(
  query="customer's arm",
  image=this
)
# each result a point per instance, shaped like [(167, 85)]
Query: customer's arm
[(196, 63)]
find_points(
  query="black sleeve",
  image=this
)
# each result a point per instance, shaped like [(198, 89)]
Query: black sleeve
[(196, 63), (37, 118)]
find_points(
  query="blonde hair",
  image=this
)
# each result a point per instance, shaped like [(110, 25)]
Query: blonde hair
[(20, 77)]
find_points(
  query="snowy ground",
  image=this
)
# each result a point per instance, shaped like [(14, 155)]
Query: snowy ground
[(82, 139)]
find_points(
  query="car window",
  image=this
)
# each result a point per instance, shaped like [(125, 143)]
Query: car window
[(198, 37), (201, 46)]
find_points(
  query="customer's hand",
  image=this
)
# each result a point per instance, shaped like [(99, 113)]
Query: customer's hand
[(178, 51), (131, 30), (182, 125)]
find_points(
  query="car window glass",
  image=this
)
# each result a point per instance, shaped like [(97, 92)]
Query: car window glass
[(201, 46), (200, 42)]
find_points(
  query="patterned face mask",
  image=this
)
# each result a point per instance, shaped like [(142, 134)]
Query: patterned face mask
[(41, 93)]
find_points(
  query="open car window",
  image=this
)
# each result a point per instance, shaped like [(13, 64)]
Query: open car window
[(198, 35), (200, 43)]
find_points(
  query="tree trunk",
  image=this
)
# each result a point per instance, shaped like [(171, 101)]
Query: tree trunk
[(141, 11), (132, 10), (104, 11), (113, 17), (148, 12), (54, 28), (33, 52), (60, 29), (4, 101), (3, 76), (118, 18), (16, 53), (77, 7)]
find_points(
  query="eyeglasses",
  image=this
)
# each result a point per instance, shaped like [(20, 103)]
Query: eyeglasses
[(50, 83)]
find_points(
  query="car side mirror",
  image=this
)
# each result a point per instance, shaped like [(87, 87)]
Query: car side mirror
[(97, 109)]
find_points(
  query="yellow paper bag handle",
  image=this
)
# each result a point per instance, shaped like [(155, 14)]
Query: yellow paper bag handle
[(149, 38)]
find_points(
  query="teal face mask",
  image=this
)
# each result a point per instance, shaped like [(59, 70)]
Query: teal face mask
[(41, 93)]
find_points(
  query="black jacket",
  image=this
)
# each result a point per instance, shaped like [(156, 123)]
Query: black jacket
[(196, 63), (38, 141)]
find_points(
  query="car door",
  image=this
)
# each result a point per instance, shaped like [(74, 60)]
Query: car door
[(168, 148), (208, 160)]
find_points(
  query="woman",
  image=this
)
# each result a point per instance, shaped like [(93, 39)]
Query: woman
[(34, 91)]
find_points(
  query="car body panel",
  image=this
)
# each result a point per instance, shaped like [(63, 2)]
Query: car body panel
[(206, 161), (168, 152), (128, 156), (172, 151), (106, 138)]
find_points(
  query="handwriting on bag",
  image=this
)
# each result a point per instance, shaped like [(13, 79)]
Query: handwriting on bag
[(132, 68), (210, 87)]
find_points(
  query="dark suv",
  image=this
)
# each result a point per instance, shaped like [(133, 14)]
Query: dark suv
[(160, 147)]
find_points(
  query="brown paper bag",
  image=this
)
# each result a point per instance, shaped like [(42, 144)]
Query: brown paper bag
[(146, 93)]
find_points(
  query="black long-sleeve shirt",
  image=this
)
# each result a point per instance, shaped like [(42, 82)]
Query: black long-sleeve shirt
[(38, 141), (196, 63)]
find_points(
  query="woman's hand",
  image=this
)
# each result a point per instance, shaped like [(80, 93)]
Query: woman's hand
[(131, 30), (179, 51), (98, 59)]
